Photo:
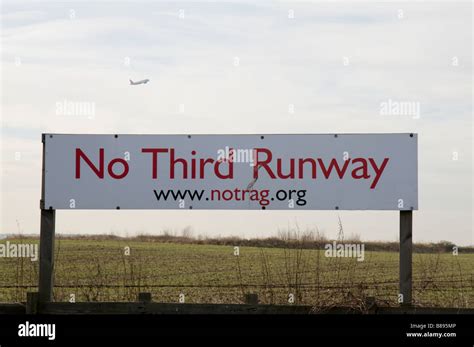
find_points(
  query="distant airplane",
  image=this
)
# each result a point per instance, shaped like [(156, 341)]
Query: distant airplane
[(139, 82)]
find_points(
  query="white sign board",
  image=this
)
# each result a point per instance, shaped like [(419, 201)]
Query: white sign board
[(241, 172)]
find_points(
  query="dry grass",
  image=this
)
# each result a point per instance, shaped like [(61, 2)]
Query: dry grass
[(97, 269)]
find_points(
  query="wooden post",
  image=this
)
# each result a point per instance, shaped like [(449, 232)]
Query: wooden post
[(251, 299), (406, 227), (370, 304), (144, 297), (46, 258), (31, 303)]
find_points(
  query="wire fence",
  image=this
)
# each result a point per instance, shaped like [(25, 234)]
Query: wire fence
[(97, 271)]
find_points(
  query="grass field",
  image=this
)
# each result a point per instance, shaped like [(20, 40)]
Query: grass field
[(95, 270)]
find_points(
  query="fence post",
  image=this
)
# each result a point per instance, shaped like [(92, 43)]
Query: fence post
[(31, 303), (370, 304), (144, 297), (46, 258), (406, 248), (251, 299)]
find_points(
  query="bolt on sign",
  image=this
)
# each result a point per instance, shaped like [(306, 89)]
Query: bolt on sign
[(242, 172)]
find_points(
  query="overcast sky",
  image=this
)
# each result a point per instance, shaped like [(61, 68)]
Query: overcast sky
[(278, 67)]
